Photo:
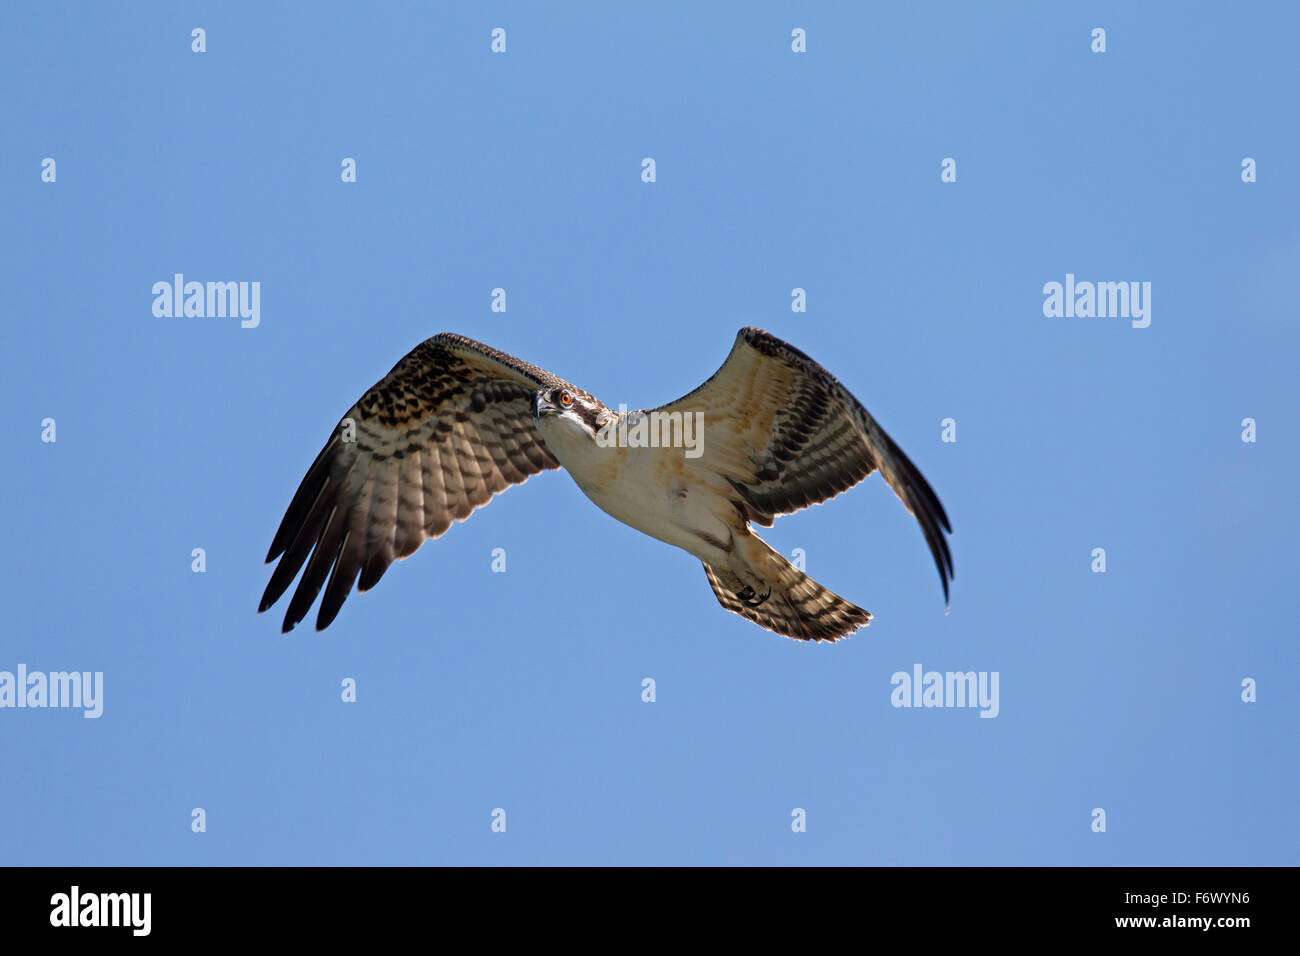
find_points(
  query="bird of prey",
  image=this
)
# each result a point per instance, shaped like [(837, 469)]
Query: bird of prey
[(456, 422)]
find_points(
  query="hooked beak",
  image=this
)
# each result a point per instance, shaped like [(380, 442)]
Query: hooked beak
[(541, 407)]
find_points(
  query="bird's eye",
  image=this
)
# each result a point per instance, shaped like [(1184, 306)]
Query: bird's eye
[(566, 399)]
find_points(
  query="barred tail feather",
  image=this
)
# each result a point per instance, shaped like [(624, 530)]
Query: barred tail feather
[(796, 605)]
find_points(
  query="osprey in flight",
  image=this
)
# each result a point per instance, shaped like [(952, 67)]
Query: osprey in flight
[(456, 422)]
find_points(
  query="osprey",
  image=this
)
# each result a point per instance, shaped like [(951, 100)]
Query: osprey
[(456, 422)]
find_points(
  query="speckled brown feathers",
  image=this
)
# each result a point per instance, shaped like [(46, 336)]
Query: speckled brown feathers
[(449, 427), (786, 434), (792, 604), (452, 425)]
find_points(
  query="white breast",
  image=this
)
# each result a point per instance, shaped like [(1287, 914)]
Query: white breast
[(658, 491)]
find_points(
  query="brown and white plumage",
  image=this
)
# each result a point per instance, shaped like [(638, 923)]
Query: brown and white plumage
[(456, 422), (449, 427), (792, 436)]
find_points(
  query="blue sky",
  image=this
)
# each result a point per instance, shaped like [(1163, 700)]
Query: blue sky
[(774, 170)]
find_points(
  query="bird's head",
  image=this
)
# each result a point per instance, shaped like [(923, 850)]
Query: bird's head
[(569, 411)]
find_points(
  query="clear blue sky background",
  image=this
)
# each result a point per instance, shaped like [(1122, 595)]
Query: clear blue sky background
[(775, 170)]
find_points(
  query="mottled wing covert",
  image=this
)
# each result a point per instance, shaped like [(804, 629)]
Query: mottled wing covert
[(449, 427), (786, 434)]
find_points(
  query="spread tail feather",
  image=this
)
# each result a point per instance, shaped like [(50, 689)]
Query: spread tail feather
[(795, 606)]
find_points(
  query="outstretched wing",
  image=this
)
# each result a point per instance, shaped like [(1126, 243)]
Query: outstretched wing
[(449, 427), (786, 434)]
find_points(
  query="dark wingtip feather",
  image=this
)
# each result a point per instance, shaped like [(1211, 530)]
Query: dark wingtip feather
[(340, 582), (304, 500), (929, 513)]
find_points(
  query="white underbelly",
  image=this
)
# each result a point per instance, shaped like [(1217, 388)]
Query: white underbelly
[(680, 515), (658, 491)]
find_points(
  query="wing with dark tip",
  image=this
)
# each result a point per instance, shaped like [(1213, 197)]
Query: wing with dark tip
[(786, 434), (449, 427)]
